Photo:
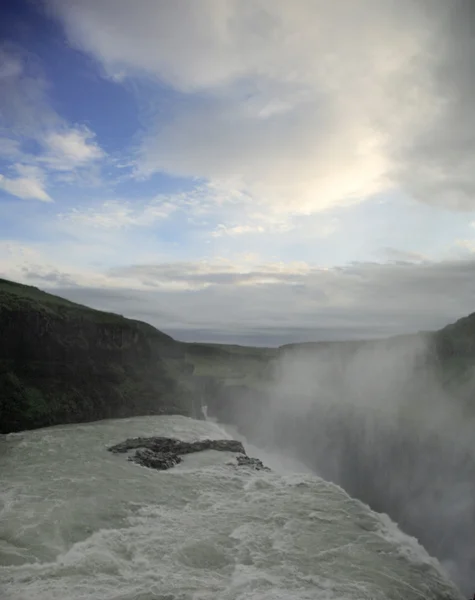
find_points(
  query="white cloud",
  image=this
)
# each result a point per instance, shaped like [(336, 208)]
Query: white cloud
[(115, 214), (468, 245), (250, 222), (304, 104), (29, 185), (257, 223), (202, 274), (27, 118), (70, 148), (237, 230), (283, 163)]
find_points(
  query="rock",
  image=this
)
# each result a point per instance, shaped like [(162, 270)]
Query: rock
[(254, 463), (164, 453), (167, 445), (155, 460)]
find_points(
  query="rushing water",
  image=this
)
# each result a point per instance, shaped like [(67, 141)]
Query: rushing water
[(78, 522)]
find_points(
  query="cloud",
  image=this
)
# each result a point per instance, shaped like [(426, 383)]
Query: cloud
[(29, 185), (258, 223), (468, 245), (70, 148), (53, 277), (282, 162), (364, 300), (246, 300), (437, 165), (28, 120), (115, 214), (199, 207), (305, 104), (402, 256), (203, 274), (237, 230)]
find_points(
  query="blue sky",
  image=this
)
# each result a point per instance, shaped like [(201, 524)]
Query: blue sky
[(224, 169)]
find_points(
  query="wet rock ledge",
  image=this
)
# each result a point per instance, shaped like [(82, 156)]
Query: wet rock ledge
[(162, 453)]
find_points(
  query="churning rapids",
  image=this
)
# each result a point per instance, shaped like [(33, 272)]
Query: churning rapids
[(78, 522)]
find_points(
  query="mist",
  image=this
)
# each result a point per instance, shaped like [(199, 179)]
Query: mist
[(376, 418)]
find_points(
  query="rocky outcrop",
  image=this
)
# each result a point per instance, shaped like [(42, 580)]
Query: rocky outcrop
[(161, 461), (162, 453), (253, 463), (174, 446)]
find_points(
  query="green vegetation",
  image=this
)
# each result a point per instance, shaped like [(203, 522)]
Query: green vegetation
[(61, 362), (15, 296)]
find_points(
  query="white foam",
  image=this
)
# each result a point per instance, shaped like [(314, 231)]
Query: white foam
[(91, 525)]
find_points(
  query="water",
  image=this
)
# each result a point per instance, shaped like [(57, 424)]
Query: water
[(77, 522)]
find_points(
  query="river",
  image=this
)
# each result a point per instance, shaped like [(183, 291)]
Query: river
[(77, 523)]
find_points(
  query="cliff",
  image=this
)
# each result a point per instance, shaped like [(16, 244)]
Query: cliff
[(61, 362), (408, 371)]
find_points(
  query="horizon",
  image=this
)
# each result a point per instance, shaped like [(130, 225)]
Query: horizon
[(201, 337), (263, 173)]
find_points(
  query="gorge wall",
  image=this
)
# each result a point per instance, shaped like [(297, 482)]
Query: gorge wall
[(64, 363)]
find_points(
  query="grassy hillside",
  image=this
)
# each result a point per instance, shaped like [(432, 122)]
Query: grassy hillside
[(61, 362), (454, 354)]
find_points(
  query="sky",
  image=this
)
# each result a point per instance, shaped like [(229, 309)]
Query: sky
[(254, 172)]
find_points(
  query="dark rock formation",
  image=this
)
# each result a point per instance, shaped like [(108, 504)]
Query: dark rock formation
[(174, 446), (163, 453), (161, 461), (254, 463)]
